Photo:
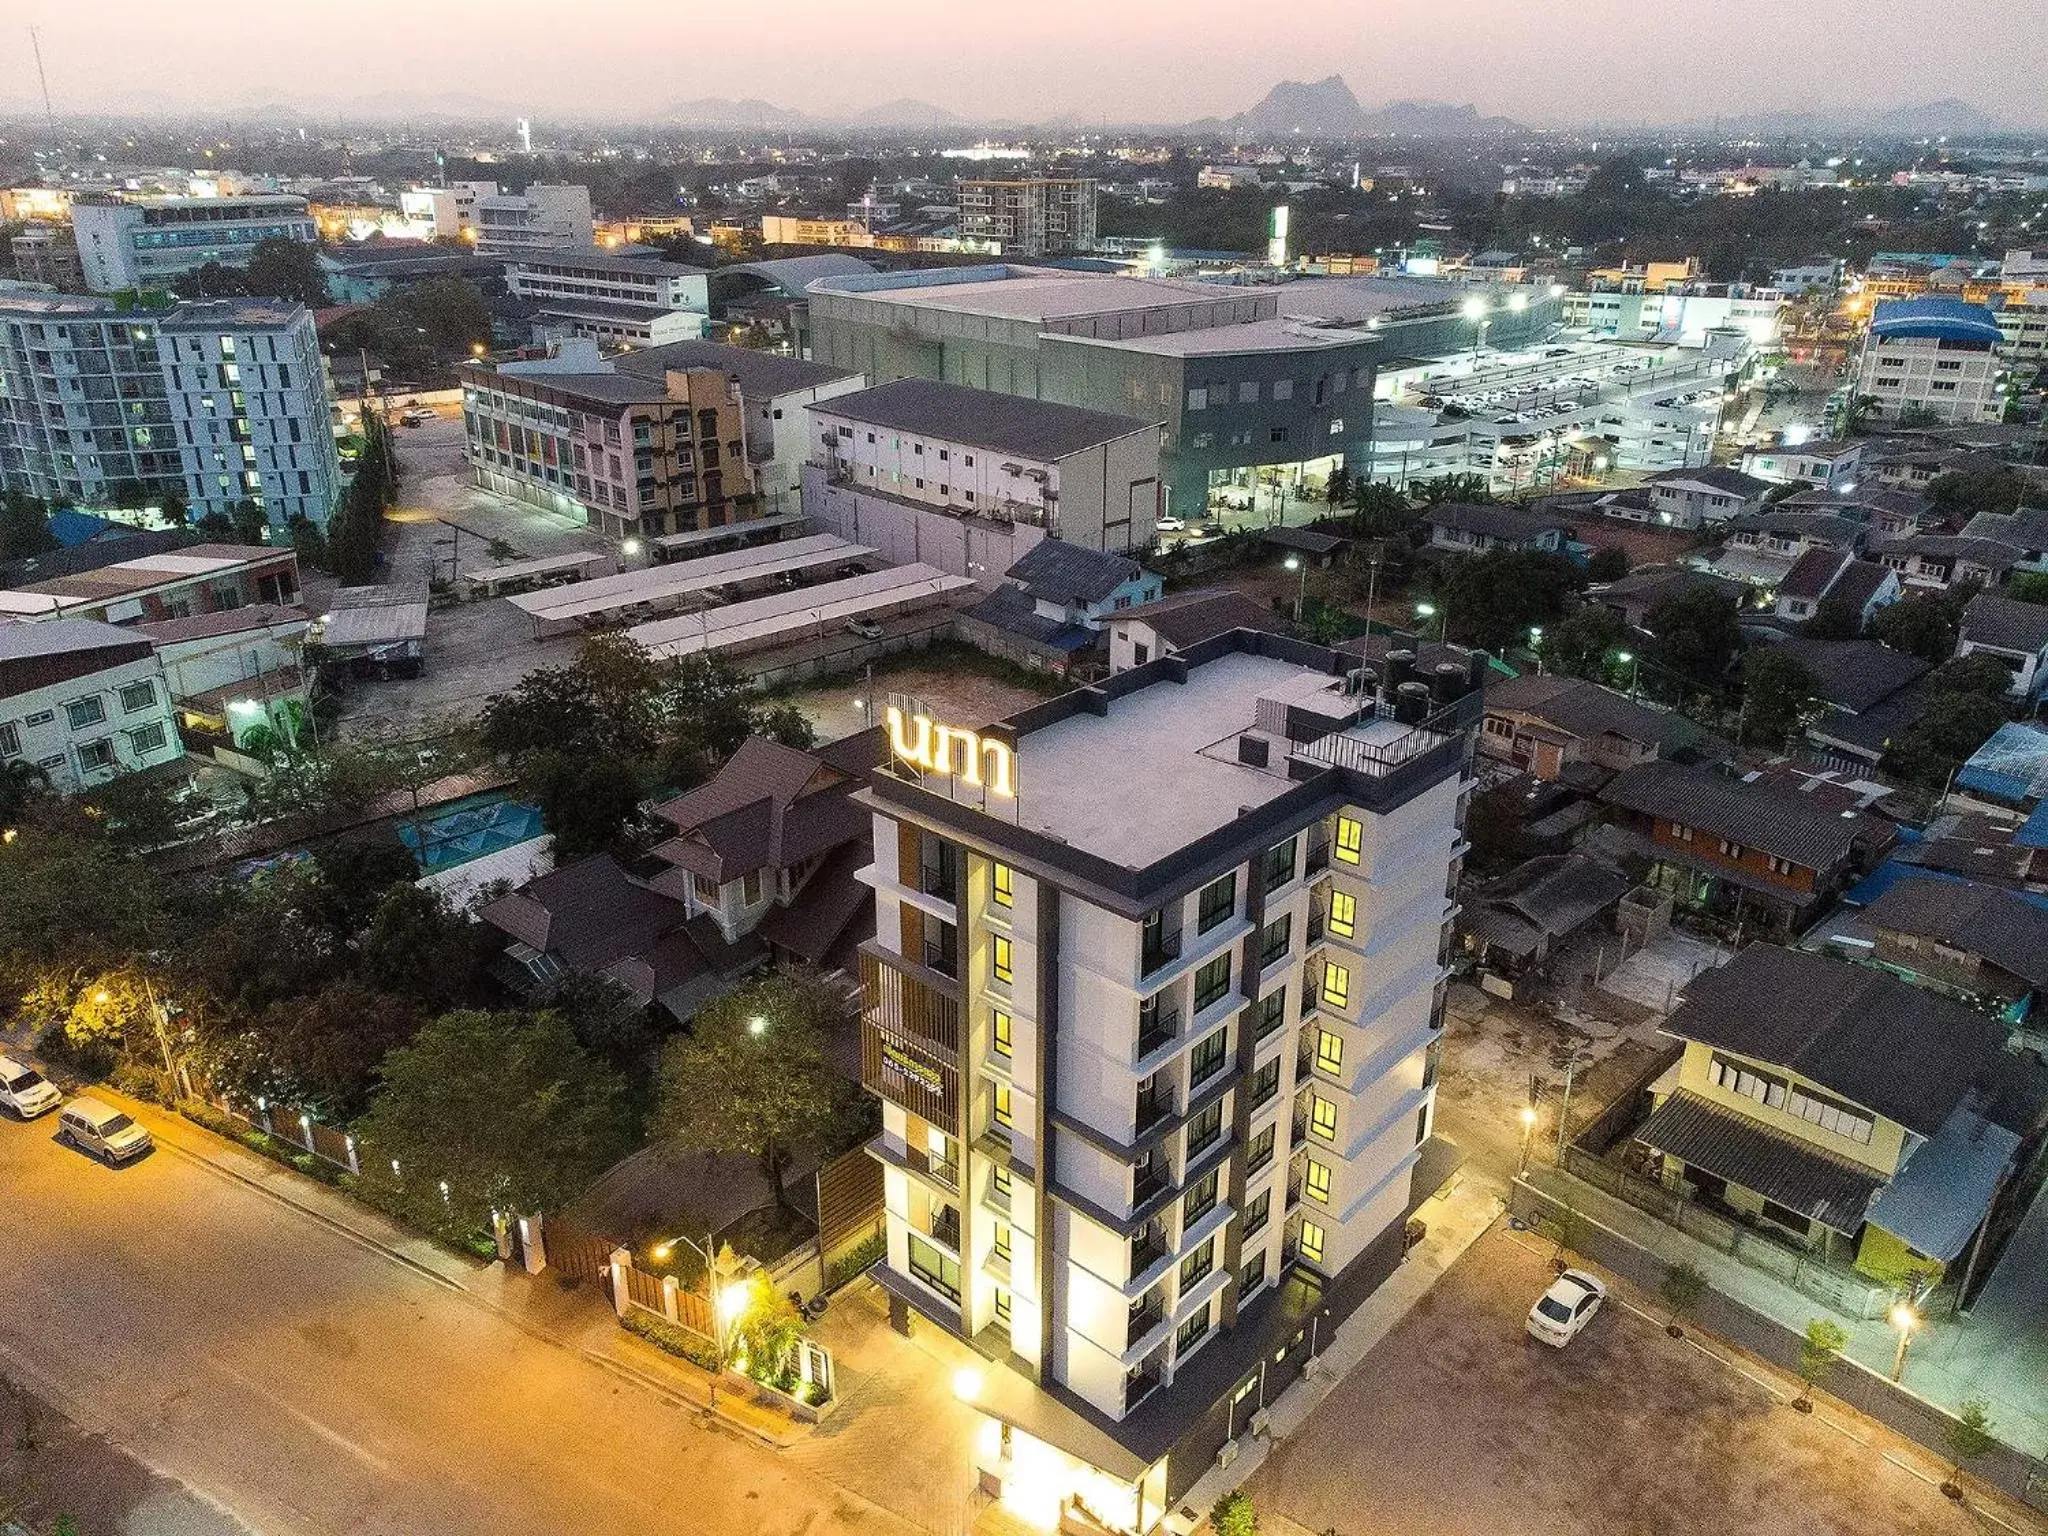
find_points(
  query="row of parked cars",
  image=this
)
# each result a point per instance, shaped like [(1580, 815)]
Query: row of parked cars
[(91, 1125)]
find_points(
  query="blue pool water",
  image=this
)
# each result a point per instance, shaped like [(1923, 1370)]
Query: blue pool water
[(468, 829)]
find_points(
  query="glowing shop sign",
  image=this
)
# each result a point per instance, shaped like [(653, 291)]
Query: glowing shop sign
[(954, 752)]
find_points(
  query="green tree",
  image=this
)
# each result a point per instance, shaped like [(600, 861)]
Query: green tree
[(1469, 490), (1820, 1350), (1778, 695), (586, 802), (287, 269), (24, 527), (2030, 587), (612, 700), (1952, 726), (250, 525), (1497, 829), (1964, 494), (1494, 599), (1968, 1438), (488, 1112), (1381, 512), (1833, 620), (1234, 1515), (1337, 490), (1609, 564), (21, 783), (320, 1049), (1584, 643), (1976, 673), (1683, 1288), (75, 905), (1923, 625), (752, 1077), (1694, 634)]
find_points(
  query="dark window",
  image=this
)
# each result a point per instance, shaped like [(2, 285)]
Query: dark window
[(1198, 1264), (1266, 1083), (1273, 941), (1279, 864), (1190, 1332), (1212, 982), (1256, 1210), (1272, 1013), (1259, 1151), (934, 1268), (1207, 1060), (1253, 1275), (1218, 902), (1205, 1129)]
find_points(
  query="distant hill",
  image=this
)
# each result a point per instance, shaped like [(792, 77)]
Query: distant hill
[(906, 113), (1437, 120), (1950, 117), (723, 112), (1327, 109)]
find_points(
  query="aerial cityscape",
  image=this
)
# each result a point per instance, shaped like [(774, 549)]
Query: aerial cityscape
[(905, 771)]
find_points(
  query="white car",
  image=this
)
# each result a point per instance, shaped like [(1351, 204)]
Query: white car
[(867, 629), (102, 1131), (26, 1091), (1171, 525), (418, 415), (1566, 1307)]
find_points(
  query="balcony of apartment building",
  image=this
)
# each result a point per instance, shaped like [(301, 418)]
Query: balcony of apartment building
[(1150, 1248), (1141, 1381)]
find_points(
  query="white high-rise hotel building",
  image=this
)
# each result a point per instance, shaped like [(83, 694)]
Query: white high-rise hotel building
[(1155, 1038)]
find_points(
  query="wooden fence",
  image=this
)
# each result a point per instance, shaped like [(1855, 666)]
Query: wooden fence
[(328, 1143)]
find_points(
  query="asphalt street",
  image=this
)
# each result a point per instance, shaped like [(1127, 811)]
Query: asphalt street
[(312, 1385)]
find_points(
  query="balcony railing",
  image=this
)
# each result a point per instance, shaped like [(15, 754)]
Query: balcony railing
[(940, 1170), (945, 1228), (1147, 1251), (1149, 1180), (1318, 858), (1154, 1106), (1157, 1030), (1159, 949), (1140, 1385), (937, 880), (1144, 1318)]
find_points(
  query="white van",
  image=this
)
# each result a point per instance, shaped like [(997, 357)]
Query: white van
[(102, 1130), (26, 1091)]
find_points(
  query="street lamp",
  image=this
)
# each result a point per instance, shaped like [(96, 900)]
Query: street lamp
[(1634, 664), (1295, 563), (1430, 611), (1905, 1319), (1528, 1132), (1475, 311), (629, 548), (1536, 646), (757, 1026)]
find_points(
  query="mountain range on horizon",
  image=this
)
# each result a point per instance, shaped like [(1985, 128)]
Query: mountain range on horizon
[(1325, 109)]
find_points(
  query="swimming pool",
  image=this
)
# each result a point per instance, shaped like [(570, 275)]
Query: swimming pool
[(468, 829)]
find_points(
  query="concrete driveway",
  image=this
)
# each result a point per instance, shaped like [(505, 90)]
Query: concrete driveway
[(1458, 1425), (316, 1385)]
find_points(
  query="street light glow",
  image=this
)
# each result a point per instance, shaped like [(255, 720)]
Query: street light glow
[(1904, 1318), (732, 1302), (1528, 1116), (967, 1383), (1291, 563), (630, 548), (1624, 656), (1475, 308), (757, 1026), (1425, 610)]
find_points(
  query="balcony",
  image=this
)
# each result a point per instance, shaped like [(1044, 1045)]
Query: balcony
[(941, 880), (1139, 1385), (1293, 1190), (1146, 1316), (1148, 1180), (1318, 859), (1158, 950), (1154, 1105), (1147, 1249), (945, 1227), (942, 1171), (1157, 1028)]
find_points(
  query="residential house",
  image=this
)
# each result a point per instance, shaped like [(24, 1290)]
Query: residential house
[(1981, 942), (168, 583), (1054, 605), (1182, 621), (1751, 851), (2012, 633), (1872, 692), (1938, 561), (1475, 529), (1834, 576), (233, 671), (1832, 466), (2025, 529), (1694, 498), (1630, 598), (766, 851), (1838, 1108), (83, 702), (1545, 723), (1511, 925), (1887, 513), (2010, 771)]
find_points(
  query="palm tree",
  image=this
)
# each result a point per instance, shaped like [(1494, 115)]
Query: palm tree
[(20, 782)]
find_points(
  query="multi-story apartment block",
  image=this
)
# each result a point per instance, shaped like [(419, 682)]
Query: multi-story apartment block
[(146, 241), (1933, 356), (46, 253), (83, 702), (1153, 1010), (450, 209), (632, 455), (222, 402), (1041, 216), (631, 300), (249, 398), (544, 217)]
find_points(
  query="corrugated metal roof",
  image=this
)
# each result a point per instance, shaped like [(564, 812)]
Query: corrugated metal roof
[(1830, 1190)]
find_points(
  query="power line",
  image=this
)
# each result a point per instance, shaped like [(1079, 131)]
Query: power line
[(35, 41)]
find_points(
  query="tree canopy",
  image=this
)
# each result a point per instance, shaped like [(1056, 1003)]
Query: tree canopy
[(1494, 599), (1695, 635), (286, 269)]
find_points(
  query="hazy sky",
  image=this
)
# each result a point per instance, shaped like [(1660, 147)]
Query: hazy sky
[(1544, 61)]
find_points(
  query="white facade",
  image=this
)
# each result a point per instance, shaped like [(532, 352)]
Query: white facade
[(145, 242), (545, 216), (1227, 1082), (89, 727), (1950, 381), (450, 209), (592, 274)]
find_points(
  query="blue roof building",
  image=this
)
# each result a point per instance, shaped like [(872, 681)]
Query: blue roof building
[(1933, 358)]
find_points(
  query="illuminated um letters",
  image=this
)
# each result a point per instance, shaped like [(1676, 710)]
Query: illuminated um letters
[(953, 752)]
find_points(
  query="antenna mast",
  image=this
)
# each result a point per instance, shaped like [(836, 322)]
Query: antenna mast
[(35, 41)]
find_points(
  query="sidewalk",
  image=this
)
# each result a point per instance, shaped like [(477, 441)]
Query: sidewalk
[(577, 1318), (1457, 1218), (1945, 1365)]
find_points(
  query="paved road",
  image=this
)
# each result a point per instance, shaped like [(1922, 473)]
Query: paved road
[(316, 1387)]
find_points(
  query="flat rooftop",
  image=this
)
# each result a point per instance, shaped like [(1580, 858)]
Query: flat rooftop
[(1160, 770), (762, 375), (1223, 340), (1053, 295), (981, 418)]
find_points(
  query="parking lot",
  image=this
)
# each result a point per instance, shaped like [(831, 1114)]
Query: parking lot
[(1456, 1424)]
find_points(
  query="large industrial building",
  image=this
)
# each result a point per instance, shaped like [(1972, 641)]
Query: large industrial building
[(143, 242), (222, 402), (1153, 1011), (1262, 390)]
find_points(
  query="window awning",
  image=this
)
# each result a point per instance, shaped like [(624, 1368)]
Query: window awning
[(1827, 1189)]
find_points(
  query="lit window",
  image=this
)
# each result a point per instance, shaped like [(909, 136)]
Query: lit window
[(1002, 1105), (1005, 883), (1350, 839), (999, 1182), (1001, 1245), (1336, 984), (1002, 1296), (1318, 1181), (1343, 914), (999, 959), (1329, 1051), (1001, 1033), (1322, 1116), (1312, 1242)]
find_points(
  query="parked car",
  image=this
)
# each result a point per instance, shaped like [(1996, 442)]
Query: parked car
[(26, 1091), (867, 629), (1172, 525), (102, 1131), (417, 415), (1566, 1307)]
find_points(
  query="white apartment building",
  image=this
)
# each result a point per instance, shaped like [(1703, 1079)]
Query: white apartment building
[(1828, 466), (450, 209), (928, 458), (1935, 356), (1038, 216), (83, 701), (1153, 1010), (249, 397), (643, 282), (1683, 314), (145, 241), (546, 216)]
